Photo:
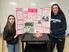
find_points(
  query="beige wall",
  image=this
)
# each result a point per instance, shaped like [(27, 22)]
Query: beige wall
[(0, 17)]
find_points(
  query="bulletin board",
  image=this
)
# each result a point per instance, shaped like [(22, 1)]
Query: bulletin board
[(32, 20)]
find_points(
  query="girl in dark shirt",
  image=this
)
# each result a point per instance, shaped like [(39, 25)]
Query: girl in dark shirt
[(10, 33), (58, 28)]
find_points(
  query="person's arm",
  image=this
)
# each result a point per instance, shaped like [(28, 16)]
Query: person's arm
[(64, 24), (7, 36)]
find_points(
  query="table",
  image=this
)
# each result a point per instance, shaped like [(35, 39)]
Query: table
[(28, 37)]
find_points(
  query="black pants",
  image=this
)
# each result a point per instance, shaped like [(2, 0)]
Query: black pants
[(59, 42)]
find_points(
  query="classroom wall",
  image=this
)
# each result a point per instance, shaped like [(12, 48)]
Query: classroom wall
[(9, 7), (0, 18)]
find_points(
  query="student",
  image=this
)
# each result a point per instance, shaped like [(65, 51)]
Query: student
[(58, 28), (9, 34)]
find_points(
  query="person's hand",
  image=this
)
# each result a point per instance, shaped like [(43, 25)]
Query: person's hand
[(15, 36)]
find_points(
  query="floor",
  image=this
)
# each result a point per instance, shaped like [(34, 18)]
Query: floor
[(0, 44), (3, 47)]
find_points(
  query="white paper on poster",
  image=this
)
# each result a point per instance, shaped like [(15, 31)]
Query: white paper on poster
[(46, 30), (25, 12), (25, 16), (30, 17), (47, 12), (31, 14), (39, 11), (28, 20), (20, 22), (20, 27), (45, 24), (25, 9), (19, 15), (37, 17)]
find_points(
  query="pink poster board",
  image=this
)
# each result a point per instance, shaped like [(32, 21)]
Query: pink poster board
[(33, 19)]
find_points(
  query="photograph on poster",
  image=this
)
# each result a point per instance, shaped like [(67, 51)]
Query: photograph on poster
[(38, 23), (28, 27), (45, 18)]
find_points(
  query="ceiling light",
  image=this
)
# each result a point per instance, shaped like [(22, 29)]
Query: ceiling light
[(12, 3), (33, 4)]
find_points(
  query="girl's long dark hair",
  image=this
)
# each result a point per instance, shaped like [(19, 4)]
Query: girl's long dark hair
[(9, 26), (59, 9)]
